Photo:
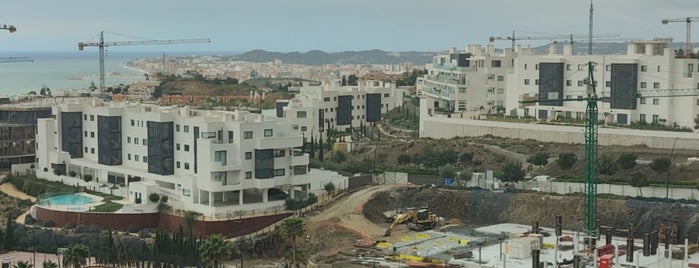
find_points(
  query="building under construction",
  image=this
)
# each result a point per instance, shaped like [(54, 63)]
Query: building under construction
[(17, 133)]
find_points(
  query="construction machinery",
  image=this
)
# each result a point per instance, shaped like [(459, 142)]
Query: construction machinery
[(102, 45), (688, 20), (570, 37), (418, 220)]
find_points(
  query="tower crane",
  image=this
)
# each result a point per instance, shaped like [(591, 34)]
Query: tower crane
[(102, 44), (570, 37), (688, 20), (10, 28)]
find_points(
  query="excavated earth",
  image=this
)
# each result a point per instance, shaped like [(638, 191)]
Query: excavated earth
[(484, 208)]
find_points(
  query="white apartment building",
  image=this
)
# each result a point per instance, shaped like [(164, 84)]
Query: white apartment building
[(469, 80), (647, 84), (211, 161), (633, 87), (331, 105)]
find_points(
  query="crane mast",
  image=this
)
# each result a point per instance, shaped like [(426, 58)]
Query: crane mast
[(590, 210), (102, 45)]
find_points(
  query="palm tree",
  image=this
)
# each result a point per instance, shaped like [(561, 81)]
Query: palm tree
[(293, 228), (49, 264), (190, 218), (296, 257), (214, 249), (75, 256), (22, 264)]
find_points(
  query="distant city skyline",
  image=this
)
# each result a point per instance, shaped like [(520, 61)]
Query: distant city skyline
[(332, 26)]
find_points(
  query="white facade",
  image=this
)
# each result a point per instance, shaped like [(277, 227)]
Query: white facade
[(469, 80), (211, 161), (657, 75), (304, 110)]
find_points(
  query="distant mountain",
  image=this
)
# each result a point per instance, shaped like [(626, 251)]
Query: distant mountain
[(317, 57)]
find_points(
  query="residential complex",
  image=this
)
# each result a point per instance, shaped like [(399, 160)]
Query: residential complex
[(212, 161), (647, 84), (17, 132), (331, 105)]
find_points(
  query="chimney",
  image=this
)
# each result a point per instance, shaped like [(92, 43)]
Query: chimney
[(552, 48), (567, 49)]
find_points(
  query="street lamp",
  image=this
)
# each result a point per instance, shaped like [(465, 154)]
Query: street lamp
[(667, 180)]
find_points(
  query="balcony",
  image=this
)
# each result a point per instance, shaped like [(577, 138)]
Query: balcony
[(278, 142)]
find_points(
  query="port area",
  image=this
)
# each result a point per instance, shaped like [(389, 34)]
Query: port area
[(512, 245)]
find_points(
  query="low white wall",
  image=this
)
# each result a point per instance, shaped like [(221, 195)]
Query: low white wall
[(615, 189), (439, 127)]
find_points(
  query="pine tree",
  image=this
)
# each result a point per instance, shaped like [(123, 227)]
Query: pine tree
[(9, 243), (320, 153), (313, 148)]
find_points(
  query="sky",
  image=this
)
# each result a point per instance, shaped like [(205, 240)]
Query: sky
[(328, 25)]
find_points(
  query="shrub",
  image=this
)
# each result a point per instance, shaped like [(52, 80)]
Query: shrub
[(70, 225), (132, 228), (72, 173), (607, 165), (58, 172), (539, 159), (29, 219), (87, 178), (661, 164), (566, 160), (87, 229), (627, 161), (154, 197), (46, 223), (164, 198)]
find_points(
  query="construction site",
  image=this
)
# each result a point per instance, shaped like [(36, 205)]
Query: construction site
[(412, 226)]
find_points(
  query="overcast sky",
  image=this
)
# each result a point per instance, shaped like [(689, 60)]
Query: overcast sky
[(330, 25)]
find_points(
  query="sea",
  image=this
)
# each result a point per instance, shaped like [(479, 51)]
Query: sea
[(71, 70)]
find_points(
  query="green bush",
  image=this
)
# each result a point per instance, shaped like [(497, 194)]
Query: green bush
[(164, 198), (72, 173), (154, 197), (70, 225), (87, 178)]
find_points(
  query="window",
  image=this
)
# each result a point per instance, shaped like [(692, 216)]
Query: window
[(92, 117), (128, 139), (526, 81), (132, 122), (386, 95), (501, 78), (326, 99), (92, 150), (656, 84), (658, 68), (177, 127), (145, 141), (656, 101), (569, 82), (536, 81), (496, 63), (300, 114), (135, 140), (136, 157), (186, 129), (247, 135), (248, 155), (581, 67), (269, 132), (642, 100), (177, 146), (220, 176), (279, 153), (279, 172), (608, 83), (186, 166), (85, 117), (87, 150), (462, 105), (644, 84), (145, 159), (501, 91), (462, 90), (230, 136), (644, 68), (248, 174), (177, 164), (85, 133), (491, 77), (642, 118), (580, 83), (525, 66), (128, 156), (186, 147), (569, 67), (92, 134), (608, 67), (220, 156), (304, 128), (656, 119)]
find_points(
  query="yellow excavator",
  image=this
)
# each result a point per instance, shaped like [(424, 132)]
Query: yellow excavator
[(418, 220)]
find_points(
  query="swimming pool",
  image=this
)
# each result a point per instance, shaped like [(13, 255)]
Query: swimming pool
[(68, 200)]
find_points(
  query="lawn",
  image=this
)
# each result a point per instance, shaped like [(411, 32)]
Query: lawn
[(107, 207)]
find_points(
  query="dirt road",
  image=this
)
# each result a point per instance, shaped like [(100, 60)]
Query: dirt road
[(347, 213)]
